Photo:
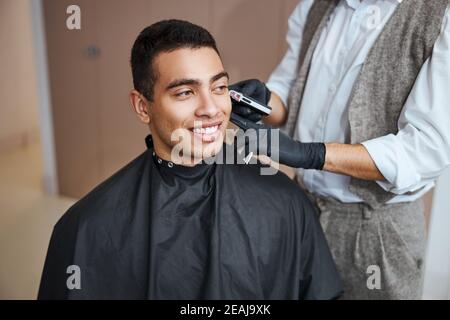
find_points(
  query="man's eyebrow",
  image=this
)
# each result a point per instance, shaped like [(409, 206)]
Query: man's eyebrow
[(182, 82), (219, 75)]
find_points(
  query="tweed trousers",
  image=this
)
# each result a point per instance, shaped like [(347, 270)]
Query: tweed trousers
[(378, 252)]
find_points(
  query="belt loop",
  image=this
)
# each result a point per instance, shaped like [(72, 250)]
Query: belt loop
[(367, 211)]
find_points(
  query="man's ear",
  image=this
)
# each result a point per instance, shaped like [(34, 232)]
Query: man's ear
[(140, 105)]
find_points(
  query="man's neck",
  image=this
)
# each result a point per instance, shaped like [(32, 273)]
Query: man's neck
[(187, 161)]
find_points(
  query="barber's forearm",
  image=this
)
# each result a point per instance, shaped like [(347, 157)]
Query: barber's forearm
[(279, 113), (351, 160)]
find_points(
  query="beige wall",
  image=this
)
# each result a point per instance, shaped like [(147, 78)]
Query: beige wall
[(96, 131), (18, 96)]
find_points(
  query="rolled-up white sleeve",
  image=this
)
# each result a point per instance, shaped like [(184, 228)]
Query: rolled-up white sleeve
[(282, 78), (420, 151)]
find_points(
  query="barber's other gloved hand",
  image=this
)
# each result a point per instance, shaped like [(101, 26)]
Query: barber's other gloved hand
[(290, 152), (254, 89)]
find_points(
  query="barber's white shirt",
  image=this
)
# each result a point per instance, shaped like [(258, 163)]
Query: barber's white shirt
[(410, 160)]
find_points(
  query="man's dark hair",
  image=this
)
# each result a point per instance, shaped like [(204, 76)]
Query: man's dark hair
[(163, 36)]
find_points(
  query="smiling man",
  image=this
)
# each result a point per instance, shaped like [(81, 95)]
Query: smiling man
[(189, 102), (170, 225)]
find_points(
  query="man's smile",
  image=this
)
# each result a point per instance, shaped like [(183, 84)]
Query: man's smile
[(207, 132)]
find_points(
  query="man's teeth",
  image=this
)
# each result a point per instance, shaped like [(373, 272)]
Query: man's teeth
[(207, 130)]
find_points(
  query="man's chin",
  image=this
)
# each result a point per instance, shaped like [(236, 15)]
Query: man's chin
[(207, 149), (196, 151)]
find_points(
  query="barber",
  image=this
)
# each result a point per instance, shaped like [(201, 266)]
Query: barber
[(361, 95)]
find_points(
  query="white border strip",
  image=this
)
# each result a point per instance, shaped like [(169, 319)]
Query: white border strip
[(50, 181), (437, 267)]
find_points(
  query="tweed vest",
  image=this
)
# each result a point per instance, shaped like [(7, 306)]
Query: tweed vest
[(386, 77)]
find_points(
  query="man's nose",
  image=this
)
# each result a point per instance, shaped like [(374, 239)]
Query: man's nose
[(207, 106)]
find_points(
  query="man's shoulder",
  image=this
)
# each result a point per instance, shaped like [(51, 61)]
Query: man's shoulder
[(268, 201), (258, 178), (111, 193)]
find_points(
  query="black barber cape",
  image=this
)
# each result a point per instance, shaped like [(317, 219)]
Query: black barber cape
[(160, 231)]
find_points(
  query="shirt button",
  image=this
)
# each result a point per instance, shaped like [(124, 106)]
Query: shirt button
[(159, 161), (170, 164)]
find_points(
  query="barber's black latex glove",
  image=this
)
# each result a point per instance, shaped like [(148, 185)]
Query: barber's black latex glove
[(254, 89), (290, 152)]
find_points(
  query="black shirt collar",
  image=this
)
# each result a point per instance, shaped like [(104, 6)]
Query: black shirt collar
[(169, 168)]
